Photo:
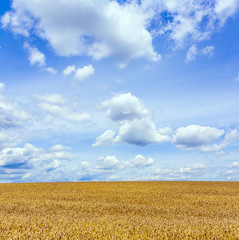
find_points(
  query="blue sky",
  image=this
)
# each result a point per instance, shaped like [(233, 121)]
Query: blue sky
[(119, 90)]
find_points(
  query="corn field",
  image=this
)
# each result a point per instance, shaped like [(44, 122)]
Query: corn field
[(120, 210)]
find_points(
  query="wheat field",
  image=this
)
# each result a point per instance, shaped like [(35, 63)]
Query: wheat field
[(120, 210)]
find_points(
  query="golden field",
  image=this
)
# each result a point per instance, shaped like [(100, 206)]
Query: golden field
[(120, 210)]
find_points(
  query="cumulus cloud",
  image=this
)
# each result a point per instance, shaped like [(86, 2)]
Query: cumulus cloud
[(189, 19), (96, 28), (106, 139), (136, 125), (30, 163), (30, 156), (195, 136), (123, 30), (56, 106), (230, 137), (140, 162), (140, 132), (69, 69), (81, 74), (108, 163), (35, 56), (124, 107)]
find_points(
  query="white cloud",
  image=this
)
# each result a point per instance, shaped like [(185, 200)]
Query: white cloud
[(225, 9), (140, 162), (106, 139), (35, 56), (193, 51), (229, 138), (59, 147), (58, 108), (108, 163), (195, 136), (124, 107), (69, 69), (81, 74), (50, 98), (140, 132), (209, 50), (95, 28), (50, 70), (232, 174), (30, 156), (235, 165), (11, 114), (191, 54), (183, 173), (123, 30), (30, 163), (136, 125), (189, 19)]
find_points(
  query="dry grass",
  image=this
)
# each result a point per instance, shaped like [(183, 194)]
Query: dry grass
[(120, 210)]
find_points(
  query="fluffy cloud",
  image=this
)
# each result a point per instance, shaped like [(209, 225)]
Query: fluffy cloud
[(35, 56), (95, 28), (124, 107), (56, 107), (69, 69), (140, 132), (136, 125), (106, 139), (230, 137), (81, 74), (189, 19), (195, 136), (29, 156), (30, 163), (108, 163), (140, 162)]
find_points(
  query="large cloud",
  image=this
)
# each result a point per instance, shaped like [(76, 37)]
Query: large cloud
[(136, 125), (140, 162), (194, 136), (76, 27), (109, 28), (230, 137), (186, 19), (140, 132), (124, 107), (106, 139), (30, 156)]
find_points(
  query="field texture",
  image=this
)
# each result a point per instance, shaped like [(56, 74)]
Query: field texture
[(120, 210)]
